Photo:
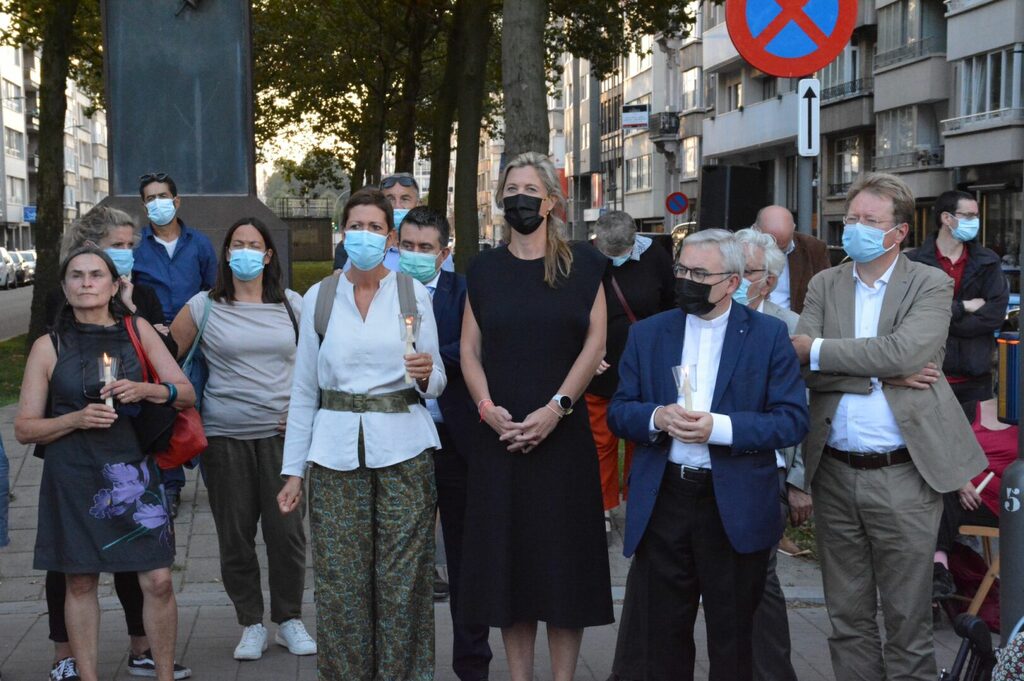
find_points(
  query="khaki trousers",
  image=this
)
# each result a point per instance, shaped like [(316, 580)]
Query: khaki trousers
[(876, 534)]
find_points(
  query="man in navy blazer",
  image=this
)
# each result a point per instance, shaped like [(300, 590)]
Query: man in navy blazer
[(423, 247), (703, 508)]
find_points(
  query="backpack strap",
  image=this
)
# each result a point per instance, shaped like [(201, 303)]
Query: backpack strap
[(406, 295), (324, 304), (291, 315), (207, 304)]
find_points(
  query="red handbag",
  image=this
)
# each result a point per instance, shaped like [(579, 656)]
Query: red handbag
[(188, 439)]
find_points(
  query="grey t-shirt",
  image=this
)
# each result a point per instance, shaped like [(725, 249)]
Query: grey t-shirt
[(250, 348)]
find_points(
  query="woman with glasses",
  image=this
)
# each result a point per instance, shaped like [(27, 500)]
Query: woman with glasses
[(532, 338), (101, 504), (358, 428), (248, 340), (980, 294)]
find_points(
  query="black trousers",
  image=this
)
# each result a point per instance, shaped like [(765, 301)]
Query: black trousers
[(976, 388), (684, 556), (471, 653), (954, 515), (126, 584)]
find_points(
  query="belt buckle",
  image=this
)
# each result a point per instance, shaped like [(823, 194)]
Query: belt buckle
[(359, 403), (683, 470)]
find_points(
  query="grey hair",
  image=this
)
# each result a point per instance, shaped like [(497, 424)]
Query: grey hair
[(732, 252), (615, 231), (774, 259), (94, 226)]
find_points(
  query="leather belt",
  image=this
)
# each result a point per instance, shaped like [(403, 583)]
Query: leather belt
[(700, 476), (397, 402), (870, 461)]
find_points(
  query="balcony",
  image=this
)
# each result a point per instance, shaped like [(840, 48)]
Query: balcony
[(852, 88), (922, 157), (766, 123), (664, 126), (919, 48), (957, 6), (983, 120)]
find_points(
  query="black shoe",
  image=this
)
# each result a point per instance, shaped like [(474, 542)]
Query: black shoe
[(143, 665), (440, 587), (943, 585), (65, 670), (173, 501)]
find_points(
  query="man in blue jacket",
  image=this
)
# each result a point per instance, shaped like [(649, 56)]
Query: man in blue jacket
[(423, 247), (704, 498)]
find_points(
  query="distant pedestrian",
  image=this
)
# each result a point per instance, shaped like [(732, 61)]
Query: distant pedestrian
[(101, 505), (249, 341), (358, 429), (532, 337), (805, 256), (638, 283), (980, 294)]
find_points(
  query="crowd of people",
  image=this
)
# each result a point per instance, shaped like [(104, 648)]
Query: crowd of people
[(724, 389)]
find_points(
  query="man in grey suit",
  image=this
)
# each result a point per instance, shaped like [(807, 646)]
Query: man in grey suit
[(771, 643), (883, 445)]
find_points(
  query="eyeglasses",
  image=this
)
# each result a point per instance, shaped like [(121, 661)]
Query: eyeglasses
[(697, 275), (390, 182), (153, 177), (870, 222), (760, 271)]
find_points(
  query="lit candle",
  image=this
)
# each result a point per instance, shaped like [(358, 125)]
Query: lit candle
[(984, 483), (687, 389), (108, 376), (409, 338)]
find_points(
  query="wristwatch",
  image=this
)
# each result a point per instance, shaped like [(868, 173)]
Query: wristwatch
[(564, 403)]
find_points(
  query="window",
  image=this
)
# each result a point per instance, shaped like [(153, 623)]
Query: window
[(843, 69), (908, 29), (70, 199), (611, 111), (691, 89), (907, 136), (769, 88), (710, 90), (899, 24), (585, 136), (846, 163), (584, 86), (15, 190), (715, 13), (12, 96), (638, 173), (640, 60), (14, 143), (70, 159), (895, 130), (733, 92), (691, 157), (986, 82), (85, 153), (17, 55)]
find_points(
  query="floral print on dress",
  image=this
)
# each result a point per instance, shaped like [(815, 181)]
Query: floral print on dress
[(127, 492)]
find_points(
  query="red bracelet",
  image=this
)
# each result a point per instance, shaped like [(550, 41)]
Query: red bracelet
[(481, 406)]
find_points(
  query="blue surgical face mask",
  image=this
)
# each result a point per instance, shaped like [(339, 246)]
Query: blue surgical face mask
[(966, 230), (863, 243), (124, 259), (246, 263), (420, 266), (619, 260), (399, 214), (161, 211), (365, 249), (740, 294)]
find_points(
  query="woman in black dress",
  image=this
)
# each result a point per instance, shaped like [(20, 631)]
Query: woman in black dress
[(533, 334), (101, 505)]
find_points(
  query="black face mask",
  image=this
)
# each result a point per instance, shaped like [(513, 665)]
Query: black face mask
[(522, 213), (692, 298)]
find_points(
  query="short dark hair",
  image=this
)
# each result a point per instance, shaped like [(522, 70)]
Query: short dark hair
[(273, 284), (948, 202), (423, 216), (369, 196), (150, 178)]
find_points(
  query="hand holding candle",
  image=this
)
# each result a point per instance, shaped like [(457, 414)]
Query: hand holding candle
[(410, 325), (108, 368), (685, 376), (687, 389)]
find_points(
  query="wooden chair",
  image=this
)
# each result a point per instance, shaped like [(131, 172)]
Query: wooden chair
[(986, 534)]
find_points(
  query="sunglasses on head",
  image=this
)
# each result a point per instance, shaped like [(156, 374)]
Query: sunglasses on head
[(390, 182), (153, 177)]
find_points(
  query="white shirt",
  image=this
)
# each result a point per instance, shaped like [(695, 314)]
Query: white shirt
[(780, 296), (168, 245), (432, 406), (864, 423), (702, 346), (359, 357)]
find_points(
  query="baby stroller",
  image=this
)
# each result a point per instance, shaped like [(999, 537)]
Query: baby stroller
[(976, 658)]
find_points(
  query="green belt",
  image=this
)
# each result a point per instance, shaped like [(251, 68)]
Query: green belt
[(397, 402)]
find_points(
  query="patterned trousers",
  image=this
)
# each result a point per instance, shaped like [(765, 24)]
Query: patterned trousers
[(373, 554)]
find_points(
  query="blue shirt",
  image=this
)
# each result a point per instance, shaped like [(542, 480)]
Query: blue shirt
[(192, 269)]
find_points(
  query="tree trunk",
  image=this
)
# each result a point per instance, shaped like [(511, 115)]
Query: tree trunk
[(476, 39), (523, 78), (57, 37), (412, 82), (441, 136)]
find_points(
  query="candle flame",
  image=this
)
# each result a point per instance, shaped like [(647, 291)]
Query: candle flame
[(106, 360)]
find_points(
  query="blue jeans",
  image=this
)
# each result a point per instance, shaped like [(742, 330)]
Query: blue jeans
[(5, 496)]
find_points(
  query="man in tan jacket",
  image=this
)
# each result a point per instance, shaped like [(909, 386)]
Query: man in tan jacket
[(887, 436)]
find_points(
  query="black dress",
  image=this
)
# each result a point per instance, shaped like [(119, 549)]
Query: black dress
[(101, 504), (534, 544)]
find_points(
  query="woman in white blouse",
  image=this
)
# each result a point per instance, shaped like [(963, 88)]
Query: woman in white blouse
[(366, 439)]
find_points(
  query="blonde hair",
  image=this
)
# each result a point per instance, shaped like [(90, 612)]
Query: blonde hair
[(889, 187), (92, 227), (557, 254)]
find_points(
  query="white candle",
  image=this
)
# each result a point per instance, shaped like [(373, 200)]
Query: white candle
[(409, 342), (687, 389), (108, 377), (984, 483)]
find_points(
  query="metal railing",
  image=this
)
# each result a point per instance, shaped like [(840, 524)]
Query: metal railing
[(299, 207), (1007, 115), (954, 6), (838, 189), (935, 44), (861, 86), (921, 157)]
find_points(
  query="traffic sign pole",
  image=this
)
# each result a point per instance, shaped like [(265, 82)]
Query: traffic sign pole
[(808, 147)]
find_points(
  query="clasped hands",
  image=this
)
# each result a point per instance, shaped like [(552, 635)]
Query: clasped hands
[(522, 436), (691, 427)]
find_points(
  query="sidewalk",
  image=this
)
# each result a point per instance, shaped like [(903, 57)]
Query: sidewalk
[(208, 632)]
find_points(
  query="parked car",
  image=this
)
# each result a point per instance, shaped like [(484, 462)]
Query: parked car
[(8, 269), (19, 267), (29, 265)]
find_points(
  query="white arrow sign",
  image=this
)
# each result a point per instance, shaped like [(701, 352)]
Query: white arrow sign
[(809, 118)]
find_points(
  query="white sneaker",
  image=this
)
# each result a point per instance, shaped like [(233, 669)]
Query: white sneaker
[(293, 636), (253, 643)]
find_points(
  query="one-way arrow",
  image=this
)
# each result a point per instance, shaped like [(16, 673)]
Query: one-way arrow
[(808, 137), (810, 97)]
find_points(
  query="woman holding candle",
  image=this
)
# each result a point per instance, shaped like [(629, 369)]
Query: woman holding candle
[(101, 505), (366, 439), (532, 337), (249, 344)]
